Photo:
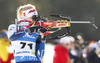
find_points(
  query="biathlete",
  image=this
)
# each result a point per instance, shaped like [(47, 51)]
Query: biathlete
[(27, 47)]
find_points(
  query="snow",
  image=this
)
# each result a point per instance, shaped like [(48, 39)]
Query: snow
[(49, 53)]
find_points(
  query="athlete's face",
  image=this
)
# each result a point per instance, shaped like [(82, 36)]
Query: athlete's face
[(30, 19), (26, 23)]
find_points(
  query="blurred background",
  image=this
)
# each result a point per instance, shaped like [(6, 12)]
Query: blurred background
[(76, 9), (80, 10)]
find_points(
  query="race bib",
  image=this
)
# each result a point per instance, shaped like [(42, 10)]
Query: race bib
[(23, 48)]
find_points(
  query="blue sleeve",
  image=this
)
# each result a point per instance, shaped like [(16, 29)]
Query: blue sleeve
[(40, 49)]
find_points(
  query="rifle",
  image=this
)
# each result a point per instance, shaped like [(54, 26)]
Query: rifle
[(61, 28), (56, 29)]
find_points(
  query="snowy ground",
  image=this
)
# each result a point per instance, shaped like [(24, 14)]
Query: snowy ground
[(49, 52)]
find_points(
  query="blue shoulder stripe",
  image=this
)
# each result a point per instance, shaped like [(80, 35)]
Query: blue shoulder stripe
[(16, 35)]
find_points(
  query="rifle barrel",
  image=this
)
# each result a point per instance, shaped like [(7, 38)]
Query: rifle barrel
[(80, 21)]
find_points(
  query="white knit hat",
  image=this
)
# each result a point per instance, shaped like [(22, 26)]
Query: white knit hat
[(64, 40), (98, 44), (72, 39)]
